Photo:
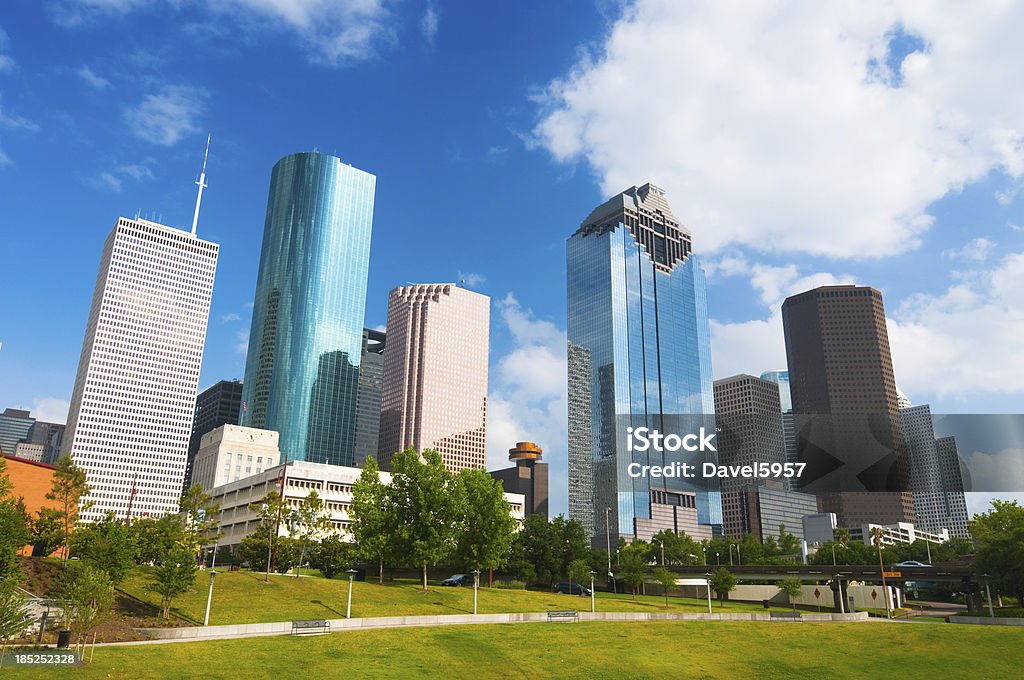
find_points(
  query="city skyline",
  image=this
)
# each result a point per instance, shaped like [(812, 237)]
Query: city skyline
[(948, 280)]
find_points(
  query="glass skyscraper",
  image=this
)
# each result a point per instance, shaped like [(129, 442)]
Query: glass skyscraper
[(302, 369), (639, 350)]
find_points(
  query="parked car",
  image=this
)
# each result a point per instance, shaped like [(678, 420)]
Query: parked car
[(566, 588), (458, 580), (911, 563)]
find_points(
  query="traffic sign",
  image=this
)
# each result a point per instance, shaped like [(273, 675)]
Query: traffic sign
[(892, 574)]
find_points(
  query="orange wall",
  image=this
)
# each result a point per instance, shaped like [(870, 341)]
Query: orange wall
[(31, 481)]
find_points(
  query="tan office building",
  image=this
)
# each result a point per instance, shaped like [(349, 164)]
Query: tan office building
[(434, 389)]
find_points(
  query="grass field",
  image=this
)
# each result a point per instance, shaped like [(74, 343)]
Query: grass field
[(243, 597), (690, 649)]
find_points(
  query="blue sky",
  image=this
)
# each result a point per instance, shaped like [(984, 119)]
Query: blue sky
[(802, 145)]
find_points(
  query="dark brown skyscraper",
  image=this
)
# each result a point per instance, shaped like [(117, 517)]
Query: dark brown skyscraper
[(844, 401)]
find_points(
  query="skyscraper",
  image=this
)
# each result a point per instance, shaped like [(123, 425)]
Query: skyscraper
[(639, 349), (15, 425), (434, 390), (302, 369), (935, 477), (781, 378), (371, 372), (845, 404), (135, 391), (529, 477), (219, 404)]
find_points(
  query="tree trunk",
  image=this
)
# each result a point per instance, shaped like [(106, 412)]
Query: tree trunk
[(424, 577), (302, 556), (382, 571)]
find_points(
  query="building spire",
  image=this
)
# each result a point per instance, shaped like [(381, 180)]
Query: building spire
[(202, 185)]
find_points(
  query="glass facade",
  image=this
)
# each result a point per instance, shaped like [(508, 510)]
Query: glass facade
[(639, 350), (302, 369)]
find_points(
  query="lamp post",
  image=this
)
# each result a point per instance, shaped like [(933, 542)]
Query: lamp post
[(608, 541), (739, 557), (351, 575), (476, 582), (842, 597), (707, 577), (718, 558), (209, 598), (834, 552), (592, 607), (704, 555), (988, 592)]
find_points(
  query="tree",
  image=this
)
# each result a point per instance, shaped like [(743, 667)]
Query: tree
[(13, 524), (108, 545), (579, 572), (999, 535), (309, 522), (668, 547), (372, 512), (47, 531), (426, 509), (877, 534), (273, 510), (792, 588), (570, 542), (155, 537), (842, 536), (200, 517), (86, 596), (722, 582), (633, 563), (13, 614), (175, 576), (486, 527), (255, 550), (68, 486), (543, 550), (666, 579), (333, 556)]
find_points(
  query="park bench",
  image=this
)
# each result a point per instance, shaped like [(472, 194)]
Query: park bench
[(564, 615), (785, 615), (310, 627)]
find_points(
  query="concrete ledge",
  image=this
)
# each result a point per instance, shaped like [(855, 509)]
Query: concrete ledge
[(338, 625), (986, 621)]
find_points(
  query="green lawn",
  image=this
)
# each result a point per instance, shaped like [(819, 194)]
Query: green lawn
[(243, 597), (690, 649)]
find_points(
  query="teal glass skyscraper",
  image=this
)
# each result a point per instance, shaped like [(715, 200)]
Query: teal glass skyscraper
[(305, 343), (639, 351)]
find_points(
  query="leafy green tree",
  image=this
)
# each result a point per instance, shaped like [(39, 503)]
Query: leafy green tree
[(14, 533), (86, 596), (47, 532), (633, 563), (543, 550), (373, 524), (310, 522), (108, 545), (877, 535), (570, 542), (255, 549), (486, 527), (13, 615), (200, 517), (792, 588), (722, 582), (174, 577), (155, 537), (273, 511), (579, 572), (999, 535), (426, 509), (666, 579), (67, 489), (333, 556), (789, 544), (670, 548), (851, 553)]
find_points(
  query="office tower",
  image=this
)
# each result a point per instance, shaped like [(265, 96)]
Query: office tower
[(845, 404), (781, 378), (639, 350), (434, 390), (232, 452), (371, 372), (217, 405), (302, 369), (935, 477), (15, 424), (135, 391), (529, 477), (50, 436)]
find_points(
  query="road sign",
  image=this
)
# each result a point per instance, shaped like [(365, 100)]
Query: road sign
[(817, 593), (892, 574)]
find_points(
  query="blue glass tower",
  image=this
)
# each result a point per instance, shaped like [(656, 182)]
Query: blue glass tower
[(639, 350), (302, 370)]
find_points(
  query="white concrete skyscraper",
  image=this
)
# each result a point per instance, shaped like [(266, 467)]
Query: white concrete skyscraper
[(135, 391), (434, 389)]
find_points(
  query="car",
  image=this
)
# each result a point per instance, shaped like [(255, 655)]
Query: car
[(566, 588), (911, 563), (458, 580)]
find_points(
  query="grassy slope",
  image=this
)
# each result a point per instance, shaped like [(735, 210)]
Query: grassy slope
[(604, 650), (242, 597)]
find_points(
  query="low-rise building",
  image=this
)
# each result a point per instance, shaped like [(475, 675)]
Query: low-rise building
[(529, 477), (294, 481), (900, 532)]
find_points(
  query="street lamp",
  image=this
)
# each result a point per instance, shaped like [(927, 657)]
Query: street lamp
[(834, 552), (718, 558), (351, 575), (476, 582), (842, 597), (988, 592), (730, 554), (592, 607), (209, 598), (739, 557), (704, 555), (707, 577)]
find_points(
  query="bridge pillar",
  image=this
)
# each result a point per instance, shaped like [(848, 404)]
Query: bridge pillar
[(972, 594), (838, 598)]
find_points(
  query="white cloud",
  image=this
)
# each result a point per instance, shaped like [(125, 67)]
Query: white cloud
[(91, 79), (380, 328), (976, 250), (228, 318), (783, 127), (430, 22), (527, 398), (471, 279), (50, 409), (242, 341), (13, 121), (167, 116), (998, 472), (6, 61), (114, 179)]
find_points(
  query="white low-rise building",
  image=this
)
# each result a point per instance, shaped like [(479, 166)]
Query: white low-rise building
[(900, 532), (333, 484), (232, 452)]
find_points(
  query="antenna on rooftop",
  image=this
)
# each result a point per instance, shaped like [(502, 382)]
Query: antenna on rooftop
[(202, 185)]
